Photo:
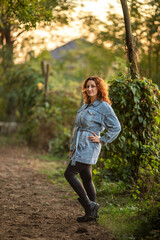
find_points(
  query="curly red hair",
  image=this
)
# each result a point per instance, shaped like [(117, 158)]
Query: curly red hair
[(103, 90)]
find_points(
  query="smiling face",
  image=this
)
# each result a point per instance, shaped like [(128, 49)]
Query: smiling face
[(91, 89)]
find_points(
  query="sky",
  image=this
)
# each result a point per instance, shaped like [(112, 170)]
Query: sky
[(50, 38), (100, 7)]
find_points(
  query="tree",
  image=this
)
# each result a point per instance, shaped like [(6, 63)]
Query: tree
[(22, 15), (145, 18), (17, 16), (129, 41)]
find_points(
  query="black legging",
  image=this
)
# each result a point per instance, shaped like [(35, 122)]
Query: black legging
[(85, 171)]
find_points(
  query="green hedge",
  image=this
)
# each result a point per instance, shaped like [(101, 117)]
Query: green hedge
[(134, 157), (136, 103)]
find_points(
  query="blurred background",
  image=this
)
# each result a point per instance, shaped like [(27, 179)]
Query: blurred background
[(47, 49), (76, 39)]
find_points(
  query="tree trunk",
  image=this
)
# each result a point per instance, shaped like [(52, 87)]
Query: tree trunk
[(157, 60), (129, 41), (6, 46), (6, 51), (150, 58)]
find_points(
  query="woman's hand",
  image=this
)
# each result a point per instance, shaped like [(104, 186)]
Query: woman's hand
[(70, 153), (94, 138)]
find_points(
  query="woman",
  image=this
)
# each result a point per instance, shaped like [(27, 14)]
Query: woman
[(92, 118)]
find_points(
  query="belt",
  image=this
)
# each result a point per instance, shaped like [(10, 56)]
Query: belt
[(73, 163)]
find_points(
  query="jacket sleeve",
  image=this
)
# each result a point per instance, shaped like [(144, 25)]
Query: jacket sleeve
[(111, 124), (73, 140)]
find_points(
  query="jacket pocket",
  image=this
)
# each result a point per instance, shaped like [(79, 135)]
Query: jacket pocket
[(92, 112), (90, 115)]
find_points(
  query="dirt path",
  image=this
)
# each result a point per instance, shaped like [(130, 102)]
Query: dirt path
[(31, 207)]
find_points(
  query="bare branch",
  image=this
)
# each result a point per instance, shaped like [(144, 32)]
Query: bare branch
[(20, 33)]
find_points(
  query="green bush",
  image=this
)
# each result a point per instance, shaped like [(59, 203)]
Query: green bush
[(46, 124), (50, 125), (136, 103), (134, 156), (19, 91)]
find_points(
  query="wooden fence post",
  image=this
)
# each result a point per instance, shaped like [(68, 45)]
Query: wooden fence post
[(45, 71)]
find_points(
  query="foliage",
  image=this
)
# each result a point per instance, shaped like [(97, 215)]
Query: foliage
[(28, 12), (18, 16), (50, 124), (87, 59), (136, 103), (31, 12), (145, 20), (19, 89), (134, 157), (59, 114), (45, 124)]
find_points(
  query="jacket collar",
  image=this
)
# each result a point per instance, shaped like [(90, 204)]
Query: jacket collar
[(96, 103)]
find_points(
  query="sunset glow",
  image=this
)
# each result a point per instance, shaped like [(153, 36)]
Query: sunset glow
[(50, 37)]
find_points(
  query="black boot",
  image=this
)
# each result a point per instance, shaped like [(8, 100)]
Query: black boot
[(91, 210)]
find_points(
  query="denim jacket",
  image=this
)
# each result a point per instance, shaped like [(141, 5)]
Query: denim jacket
[(95, 117)]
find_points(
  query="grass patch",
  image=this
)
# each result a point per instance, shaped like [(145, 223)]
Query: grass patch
[(54, 168), (120, 215), (12, 139), (123, 216), (50, 158)]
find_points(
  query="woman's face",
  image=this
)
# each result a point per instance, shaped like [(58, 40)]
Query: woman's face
[(91, 88)]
